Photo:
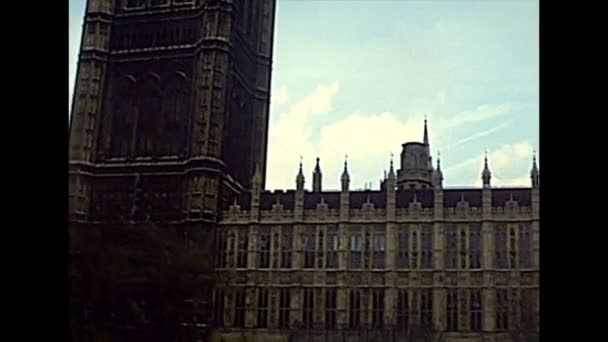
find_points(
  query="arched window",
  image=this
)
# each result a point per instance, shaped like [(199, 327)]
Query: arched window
[(134, 3), (123, 117), (149, 115), (175, 110)]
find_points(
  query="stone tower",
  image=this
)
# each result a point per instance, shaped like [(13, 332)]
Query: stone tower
[(416, 164), (170, 110)]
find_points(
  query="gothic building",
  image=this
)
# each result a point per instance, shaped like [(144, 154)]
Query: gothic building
[(338, 264), (170, 111), (169, 125)]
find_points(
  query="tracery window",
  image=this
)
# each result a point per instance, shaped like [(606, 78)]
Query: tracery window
[(148, 120), (502, 309), (239, 307), (512, 248), (286, 247), (243, 245), (308, 308), (452, 310), (354, 317), (332, 249), (475, 246), (426, 308), (525, 250), (403, 257), (452, 248), (264, 253), (476, 310), (500, 246), (426, 237), (463, 249), (403, 311), (262, 308), (123, 118), (414, 250), (355, 250), (175, 109), (284, 308), (330, 308), (379, 250), (309, 250), (378, 308)]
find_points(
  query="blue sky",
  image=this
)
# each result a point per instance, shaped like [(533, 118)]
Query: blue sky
[(358, 77)]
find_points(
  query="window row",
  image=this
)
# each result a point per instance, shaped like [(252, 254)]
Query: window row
[(367, 249), (133, 4), (142, 38), (149, 117), (463, 309)]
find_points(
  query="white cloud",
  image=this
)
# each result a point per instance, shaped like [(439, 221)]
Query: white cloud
[(368, 140), (279, 96), (290, 137), (510, 166)]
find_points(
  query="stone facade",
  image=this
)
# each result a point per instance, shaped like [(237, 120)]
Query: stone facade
[(163, 89), (323, 263)]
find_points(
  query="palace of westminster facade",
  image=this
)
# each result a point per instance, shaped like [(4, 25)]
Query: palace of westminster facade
[(169, 123), (462, 261)]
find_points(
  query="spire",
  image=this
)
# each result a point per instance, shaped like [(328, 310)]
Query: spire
[(534, 176), (439, 161), (345, 178), (256, 181), (437, 174), (300, 178), (391, 170), (316, 178), (426, 134), (486, 175)]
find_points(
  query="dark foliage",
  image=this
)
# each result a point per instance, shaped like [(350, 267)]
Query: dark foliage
[(136, 280)]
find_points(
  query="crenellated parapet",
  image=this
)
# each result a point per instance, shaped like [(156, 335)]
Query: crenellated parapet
[(409, 205)]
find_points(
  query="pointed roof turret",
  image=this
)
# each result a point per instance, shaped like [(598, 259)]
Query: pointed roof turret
[(345, 178), (316, 178), (437, 174), (300, 178), (486, 175), (534, 174)]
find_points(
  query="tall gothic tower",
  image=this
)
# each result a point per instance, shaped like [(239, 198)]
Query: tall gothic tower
[(170, 110)]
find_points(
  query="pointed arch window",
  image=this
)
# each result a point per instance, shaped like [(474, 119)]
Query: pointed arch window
[(175, 109), (149, 99), (123, 118)]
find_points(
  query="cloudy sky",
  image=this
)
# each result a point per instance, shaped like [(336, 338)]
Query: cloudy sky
[(358, 77)]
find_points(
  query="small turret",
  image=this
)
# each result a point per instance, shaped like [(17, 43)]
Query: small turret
[(437, 174), (534, 174), (316, 178), (300, 178), (345, 178), (486, 175)]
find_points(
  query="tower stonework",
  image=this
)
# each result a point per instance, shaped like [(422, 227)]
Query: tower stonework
[(170, 110)]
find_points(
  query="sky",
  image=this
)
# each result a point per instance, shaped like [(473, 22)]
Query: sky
[(357, 78)]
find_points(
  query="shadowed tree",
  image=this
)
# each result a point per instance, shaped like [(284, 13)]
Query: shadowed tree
[(138, 278)]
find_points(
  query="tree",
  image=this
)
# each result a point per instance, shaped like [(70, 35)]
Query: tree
[(137, 277)]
